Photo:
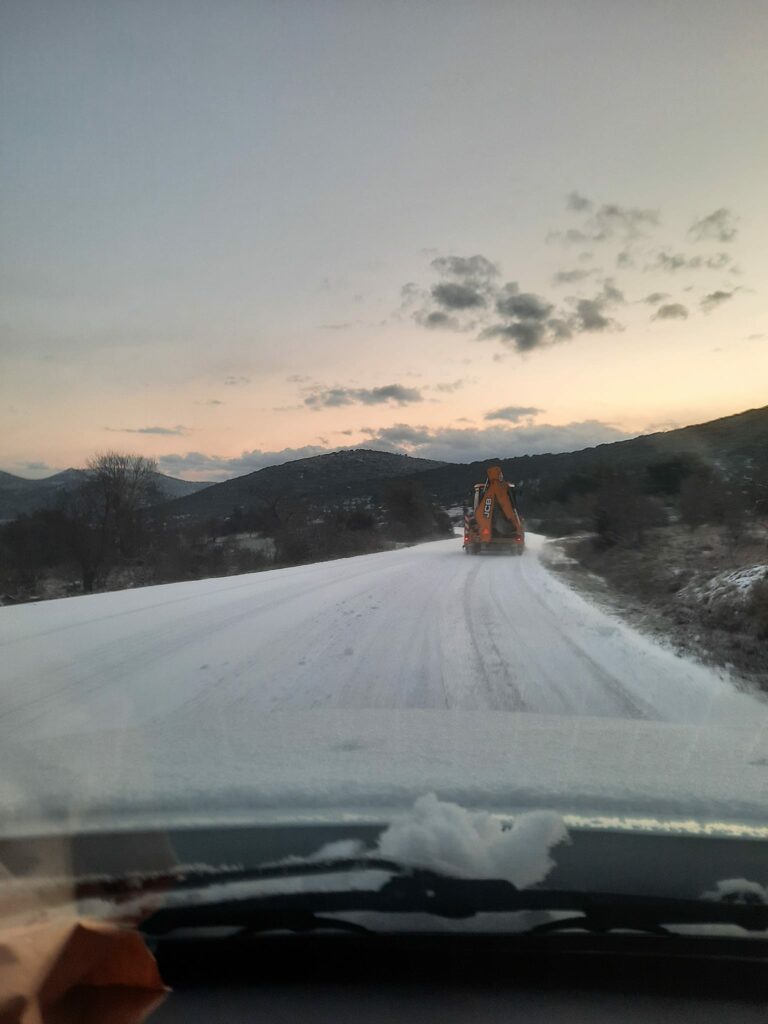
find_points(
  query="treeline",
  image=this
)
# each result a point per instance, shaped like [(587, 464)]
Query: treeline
[(620, 506), (112, 533)]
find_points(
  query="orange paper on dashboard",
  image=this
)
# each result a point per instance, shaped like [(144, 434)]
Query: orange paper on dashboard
[(79, 970)]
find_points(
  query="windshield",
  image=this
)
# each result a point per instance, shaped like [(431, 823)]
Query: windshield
[(384, 461)]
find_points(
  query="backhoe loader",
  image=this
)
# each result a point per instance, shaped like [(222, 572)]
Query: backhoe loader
[(493, 523)]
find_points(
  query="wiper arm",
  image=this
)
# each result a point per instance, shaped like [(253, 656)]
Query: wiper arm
[(420, 891), (184, 878)]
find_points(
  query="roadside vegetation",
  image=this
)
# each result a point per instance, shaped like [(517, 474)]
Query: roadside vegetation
[(110, 533), (679, 543)]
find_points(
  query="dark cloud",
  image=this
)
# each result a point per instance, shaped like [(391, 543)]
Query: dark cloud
[(655, 298), (324, 398), (671, 311), (524, 320), (513, 413), (578, 203), (572, 276), (590, 316), (720, 226), (437, 319), (523, 335), (452, 295), (466, 287), (469, 269), (715, 299), (530, 323), (522, 305), (161, 431), (673, 261), (560, 329)]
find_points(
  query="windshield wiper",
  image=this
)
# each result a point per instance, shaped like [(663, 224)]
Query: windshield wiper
[(420, 891)]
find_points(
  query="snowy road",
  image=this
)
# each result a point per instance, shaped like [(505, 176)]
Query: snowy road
[(424, 627), (361, 684)]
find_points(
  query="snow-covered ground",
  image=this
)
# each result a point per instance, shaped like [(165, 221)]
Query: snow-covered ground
[(359, 683)]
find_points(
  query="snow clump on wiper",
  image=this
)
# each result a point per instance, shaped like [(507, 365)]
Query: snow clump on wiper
[(450, 840)]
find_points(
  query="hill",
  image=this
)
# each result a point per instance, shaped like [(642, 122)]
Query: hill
[(332, 477), (736, 445), (19, 496)]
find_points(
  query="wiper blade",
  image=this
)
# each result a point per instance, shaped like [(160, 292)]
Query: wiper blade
[(419, 891)]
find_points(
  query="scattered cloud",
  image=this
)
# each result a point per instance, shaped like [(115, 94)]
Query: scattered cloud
[(298, 378), (606, 222), (398, 394), (513, 413), (625, 260), (671, 311), (592, 315), (210, 401), (33, 469), (450, 386), (715, 299), (160, 431), (720, 226), (471, 444), (199, 466), (655, 298), (234, 382), (578, 203), (336, 327), (572, 276), (674, 261), (756, 337), (449, 444)]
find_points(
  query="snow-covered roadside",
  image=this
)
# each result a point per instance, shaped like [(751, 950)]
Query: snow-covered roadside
[(692, 594)]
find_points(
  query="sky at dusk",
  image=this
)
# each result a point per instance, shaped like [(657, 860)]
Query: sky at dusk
[(238, 233)]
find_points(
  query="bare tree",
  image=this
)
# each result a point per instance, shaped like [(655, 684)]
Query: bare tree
[(105, 512)]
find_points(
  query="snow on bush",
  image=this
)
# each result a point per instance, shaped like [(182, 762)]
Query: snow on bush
[(731, 585)]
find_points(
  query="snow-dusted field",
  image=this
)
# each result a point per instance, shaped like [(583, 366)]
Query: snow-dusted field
[(361, 680)]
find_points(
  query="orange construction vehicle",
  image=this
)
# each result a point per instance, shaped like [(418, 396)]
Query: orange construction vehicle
[(493, 523)]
